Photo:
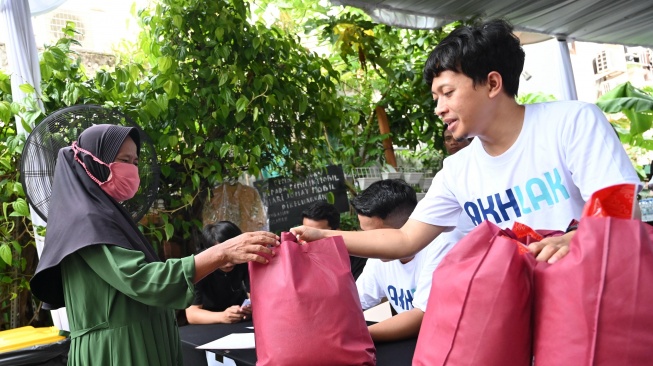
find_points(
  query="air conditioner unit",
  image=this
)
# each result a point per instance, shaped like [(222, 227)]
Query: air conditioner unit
[(608, 65)]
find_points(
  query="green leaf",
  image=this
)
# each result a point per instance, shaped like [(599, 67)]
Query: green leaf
[(196, 180), (241, 103), (177, 21), (173, 141), (20, 206), (625, 97), (5, 253), (331, 198), (162, 101), (219, 34), (170, 230), (268, 79), (224, 150), (164, 62), (256, 150), (639, 122), (223, 79), (5, 111), (152, 108), (26, 88), (266, 134), (171, 88)]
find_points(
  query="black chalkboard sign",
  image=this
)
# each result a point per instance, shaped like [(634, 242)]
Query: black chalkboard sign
[(286, 198)]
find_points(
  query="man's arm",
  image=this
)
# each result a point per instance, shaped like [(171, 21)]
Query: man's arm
[(370, 293), (382, 243), (401, 326)]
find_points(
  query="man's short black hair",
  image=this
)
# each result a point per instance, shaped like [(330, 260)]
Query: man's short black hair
[(218, 232), (392, 200), (322, 210), (478, 50)]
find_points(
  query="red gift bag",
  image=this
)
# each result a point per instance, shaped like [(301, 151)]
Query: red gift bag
[(306, 307), (594, 306), (479, 309)]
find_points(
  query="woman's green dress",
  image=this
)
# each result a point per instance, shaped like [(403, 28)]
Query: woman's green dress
[(120, 307)]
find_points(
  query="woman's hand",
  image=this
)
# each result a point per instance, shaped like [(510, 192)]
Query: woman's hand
[(248, 247)]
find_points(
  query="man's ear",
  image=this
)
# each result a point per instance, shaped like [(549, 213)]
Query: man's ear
[(494, 84)]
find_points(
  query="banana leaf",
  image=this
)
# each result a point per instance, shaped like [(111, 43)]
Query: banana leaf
[(633, 103)]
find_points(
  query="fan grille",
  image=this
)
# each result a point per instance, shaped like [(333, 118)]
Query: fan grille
[(59, 130)]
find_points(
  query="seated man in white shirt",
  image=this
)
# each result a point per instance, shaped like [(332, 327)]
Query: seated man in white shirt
[(408, 323), (388, 204)]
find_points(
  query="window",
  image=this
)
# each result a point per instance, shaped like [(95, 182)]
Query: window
[(58, 22)]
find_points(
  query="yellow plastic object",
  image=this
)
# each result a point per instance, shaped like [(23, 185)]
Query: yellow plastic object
[(24, 337)]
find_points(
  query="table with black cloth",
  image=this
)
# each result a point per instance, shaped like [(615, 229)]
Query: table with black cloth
[(387, 353)]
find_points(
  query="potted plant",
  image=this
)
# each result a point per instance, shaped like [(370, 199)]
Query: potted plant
[(412, 177), (366, 176), (389, 172)]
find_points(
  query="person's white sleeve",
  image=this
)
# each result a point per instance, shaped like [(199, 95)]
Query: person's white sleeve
[(370, 292), (439, 206), (595, 156), (437, 250)]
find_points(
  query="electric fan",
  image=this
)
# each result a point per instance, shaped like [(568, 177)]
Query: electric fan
[(59, 130)]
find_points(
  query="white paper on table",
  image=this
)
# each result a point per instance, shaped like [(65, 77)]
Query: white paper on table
[(232, 341), (378, 313)]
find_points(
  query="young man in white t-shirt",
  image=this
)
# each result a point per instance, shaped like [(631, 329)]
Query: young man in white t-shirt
[(534, 164), (388, 204), (407, 324)]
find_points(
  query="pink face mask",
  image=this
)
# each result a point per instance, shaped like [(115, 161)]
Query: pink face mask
[(123, 180)]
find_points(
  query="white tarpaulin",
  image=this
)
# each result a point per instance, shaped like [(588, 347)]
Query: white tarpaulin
[(23, 59), (22, 55), (600, 21)]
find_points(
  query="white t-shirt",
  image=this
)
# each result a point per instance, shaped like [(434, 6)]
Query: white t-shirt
[(393, 279), (437, 250), (564, 152)]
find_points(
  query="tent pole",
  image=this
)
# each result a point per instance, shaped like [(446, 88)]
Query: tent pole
[(568, 83)]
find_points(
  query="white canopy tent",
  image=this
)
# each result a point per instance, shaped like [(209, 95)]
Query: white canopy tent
[(601, 21)]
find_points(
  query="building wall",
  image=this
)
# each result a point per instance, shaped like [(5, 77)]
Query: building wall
[(543, 66)]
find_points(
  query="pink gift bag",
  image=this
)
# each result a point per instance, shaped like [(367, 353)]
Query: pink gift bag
[(479, 309), (594, 306), (306, 307)]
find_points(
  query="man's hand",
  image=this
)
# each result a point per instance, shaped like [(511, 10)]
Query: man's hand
[(305, 234), (552, 249), (233, 314), (248, 247)]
